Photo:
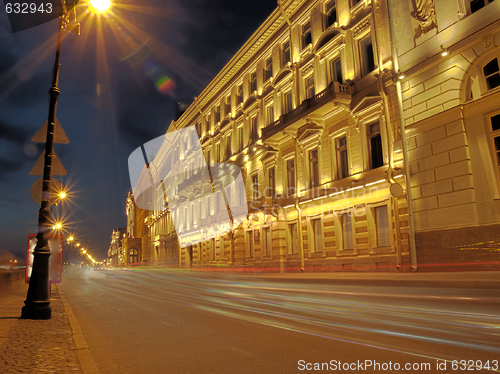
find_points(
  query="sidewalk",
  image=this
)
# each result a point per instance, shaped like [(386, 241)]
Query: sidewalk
[(36, 346), (472, 279)]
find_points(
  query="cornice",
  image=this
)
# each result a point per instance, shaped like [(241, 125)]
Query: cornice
[(259, 38)]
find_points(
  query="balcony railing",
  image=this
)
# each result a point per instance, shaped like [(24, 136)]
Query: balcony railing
[(307, 105)]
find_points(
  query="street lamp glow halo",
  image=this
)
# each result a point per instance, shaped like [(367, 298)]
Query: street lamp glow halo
[(100, 6)]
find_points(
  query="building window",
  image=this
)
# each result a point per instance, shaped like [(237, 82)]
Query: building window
[(229, 151), (314, 168), (270, 114), (375, 146), (228, 105), (206, 208), (218, 152), (290, 177), (336, 67), (269, 243), (491, 74), (367, 58), (240, 93), (216, 202), (269, 68), (354, 2), (347, 239), (271, 182), (228, 200), (241, 135), (212, 249), (250, 247), (207, 124), (342, 160), (255, 187), (318, 235), (382, 226), (255, 129), (286, 53), (134, 256), (241, 196), (331, 13), (288, 102), (253, 82), (495, 134), (222, 202), (306, 35), (294, 241), (310, 87), (475, 5), (217, 114)]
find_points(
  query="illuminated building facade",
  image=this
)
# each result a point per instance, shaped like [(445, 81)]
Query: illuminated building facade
[(132, 240), (307, 109), (116, 255), (310, 109), (449, 52)]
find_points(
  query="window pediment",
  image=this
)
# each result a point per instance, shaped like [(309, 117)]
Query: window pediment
[(267, 152), (308, 132), (284, 71), (328, 35), (367, 104)]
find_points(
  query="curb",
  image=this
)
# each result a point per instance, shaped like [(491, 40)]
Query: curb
[(483, 284), (87, 363)]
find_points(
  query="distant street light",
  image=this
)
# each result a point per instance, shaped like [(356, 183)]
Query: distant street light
[(57, 226)]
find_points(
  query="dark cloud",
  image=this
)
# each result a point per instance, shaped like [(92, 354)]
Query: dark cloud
[(13, 156), (19, 86), (13, 134), (210, 33), (143, 112), (9, 166)]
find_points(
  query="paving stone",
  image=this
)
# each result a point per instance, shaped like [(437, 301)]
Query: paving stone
[(41, 346)]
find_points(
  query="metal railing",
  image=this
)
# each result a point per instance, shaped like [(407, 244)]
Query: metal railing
[(317, 100)]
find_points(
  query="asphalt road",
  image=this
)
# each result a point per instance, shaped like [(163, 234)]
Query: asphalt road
[(170, 321)]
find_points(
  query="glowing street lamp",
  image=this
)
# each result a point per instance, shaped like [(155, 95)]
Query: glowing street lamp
[(100, 6), (57, 226)]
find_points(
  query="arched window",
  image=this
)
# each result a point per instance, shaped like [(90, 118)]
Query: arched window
[(491, 74), (134, 256)]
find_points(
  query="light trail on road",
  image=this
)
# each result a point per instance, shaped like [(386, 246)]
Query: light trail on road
[(427, 324)]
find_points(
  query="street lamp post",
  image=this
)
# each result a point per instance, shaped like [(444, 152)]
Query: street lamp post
[(37, 303)]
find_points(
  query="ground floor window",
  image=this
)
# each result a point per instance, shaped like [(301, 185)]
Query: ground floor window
[(268, 238), (250, 246), (347, 237), (294, 239), (382, 226), (318, 235), (134, 256)]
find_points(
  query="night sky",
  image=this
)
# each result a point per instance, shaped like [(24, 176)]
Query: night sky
[(114, 97)]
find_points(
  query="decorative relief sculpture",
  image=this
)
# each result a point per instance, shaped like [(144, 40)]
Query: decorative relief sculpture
[(487, 41), (425, 14)]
